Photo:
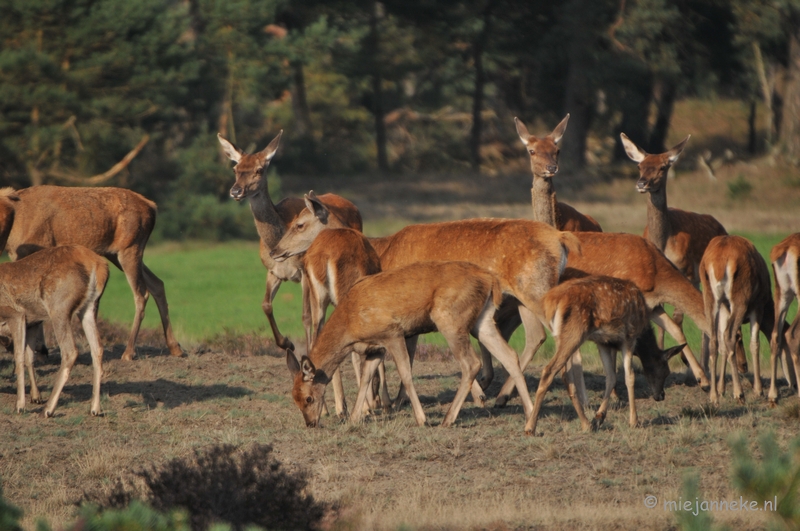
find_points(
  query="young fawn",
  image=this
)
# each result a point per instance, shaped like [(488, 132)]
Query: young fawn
[(612, 313), (53, 284)]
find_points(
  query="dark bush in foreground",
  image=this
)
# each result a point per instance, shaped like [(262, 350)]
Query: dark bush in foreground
[(225, 484)]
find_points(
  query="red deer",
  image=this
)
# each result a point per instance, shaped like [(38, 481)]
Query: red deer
[(544, 166), (382, 310), (785, 260), (613, 314), (334, 262), (113, 222), (53, 284), (736, 289), (272, 220), (682, 236)]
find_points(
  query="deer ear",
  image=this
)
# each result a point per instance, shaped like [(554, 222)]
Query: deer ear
[(672, 352), (522, 131), (316, 207), (676, 151), (635, 153), (291, 362), (308, 369), (558, 132), (271, 149), (232, 152)]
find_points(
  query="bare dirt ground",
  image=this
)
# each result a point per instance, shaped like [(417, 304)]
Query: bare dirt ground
[(386, 473)]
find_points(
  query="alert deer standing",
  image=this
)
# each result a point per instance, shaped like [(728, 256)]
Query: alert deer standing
[(682, 236), (113, 222), (736, 289), (335, 261), (544, 166), (272, 220), (382, 310), (613, 314), (53, 284), (785, 260)]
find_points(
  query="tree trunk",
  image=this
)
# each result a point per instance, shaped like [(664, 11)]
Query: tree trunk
[(665, 106), (377, 89), (480, 81), (790, 120), (752, 135), (578, 96), (635, 111), (299, 100)]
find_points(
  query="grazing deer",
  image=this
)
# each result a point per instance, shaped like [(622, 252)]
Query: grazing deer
[(53, 284), (544, 166), (682, 236), (381, 311), (334, 262), (113, 222), (612, 313), (785, 260), (527, 256), (736, 289), (272, 220)]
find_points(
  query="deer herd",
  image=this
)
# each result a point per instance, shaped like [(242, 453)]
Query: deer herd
[(481, 277)]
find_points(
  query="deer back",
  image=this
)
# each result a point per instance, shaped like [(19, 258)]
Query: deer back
[(105, 220)]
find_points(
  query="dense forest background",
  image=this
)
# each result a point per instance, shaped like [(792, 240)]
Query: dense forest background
[(132, 93)]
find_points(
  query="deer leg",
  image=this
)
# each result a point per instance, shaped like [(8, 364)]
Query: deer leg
[(630, 380), (487, 333), (30, 341), (17, 326), (660, 317), (368, 370), (130, 261), (470, 365), (273, 283), (69, 353), (386, 402), (411, 348), (559, 360), (534, 337), (609, 358), (156, 288), (402, 359), (89, 322), (755, 353), (713, 351), (734, 324)]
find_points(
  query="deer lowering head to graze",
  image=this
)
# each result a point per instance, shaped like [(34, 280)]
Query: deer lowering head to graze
[(736, 289), (612, 313), (113, 222), (544, 166), (381, 311), (53, 285), (527, 257), (785, 260), (272, 220), (335, 261), (682, 236)]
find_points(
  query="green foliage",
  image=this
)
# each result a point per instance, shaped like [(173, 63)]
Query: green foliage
[(135, 517), (739, 188), (688, 520), (203, 217), (776, 475), (9, 515), (241, 487)]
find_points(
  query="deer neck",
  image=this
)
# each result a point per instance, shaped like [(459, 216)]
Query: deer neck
[(658, 227), (543, 197), (269, 224)]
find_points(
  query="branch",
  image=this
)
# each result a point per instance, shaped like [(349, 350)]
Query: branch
[(612, 30), (105, 176)]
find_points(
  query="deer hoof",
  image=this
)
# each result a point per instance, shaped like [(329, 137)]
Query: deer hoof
[(501, 401), (177, 352), (772, 403), (127, 356), (48, 414)]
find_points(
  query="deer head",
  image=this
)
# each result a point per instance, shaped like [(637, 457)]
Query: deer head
[(543, 151), (308, 389), (249, 169), (304, 228), (653, 169), (655, 362)]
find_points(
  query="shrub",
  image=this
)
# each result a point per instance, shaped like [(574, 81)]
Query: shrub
[(740, 188), (9, 515), (225, 484)]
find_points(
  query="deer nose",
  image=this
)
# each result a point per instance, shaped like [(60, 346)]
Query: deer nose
[(642, 185), (237, 192), (277, 254), (659, 397), (552, 168), (311, 424)]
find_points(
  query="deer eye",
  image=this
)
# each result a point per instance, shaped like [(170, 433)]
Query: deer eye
[(309, 400), (532, 152), (300, 226)]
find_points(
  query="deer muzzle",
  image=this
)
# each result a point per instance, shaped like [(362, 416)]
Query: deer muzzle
[(237, 192)]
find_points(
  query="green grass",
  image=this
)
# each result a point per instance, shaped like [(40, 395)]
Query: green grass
[(213, 287)]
